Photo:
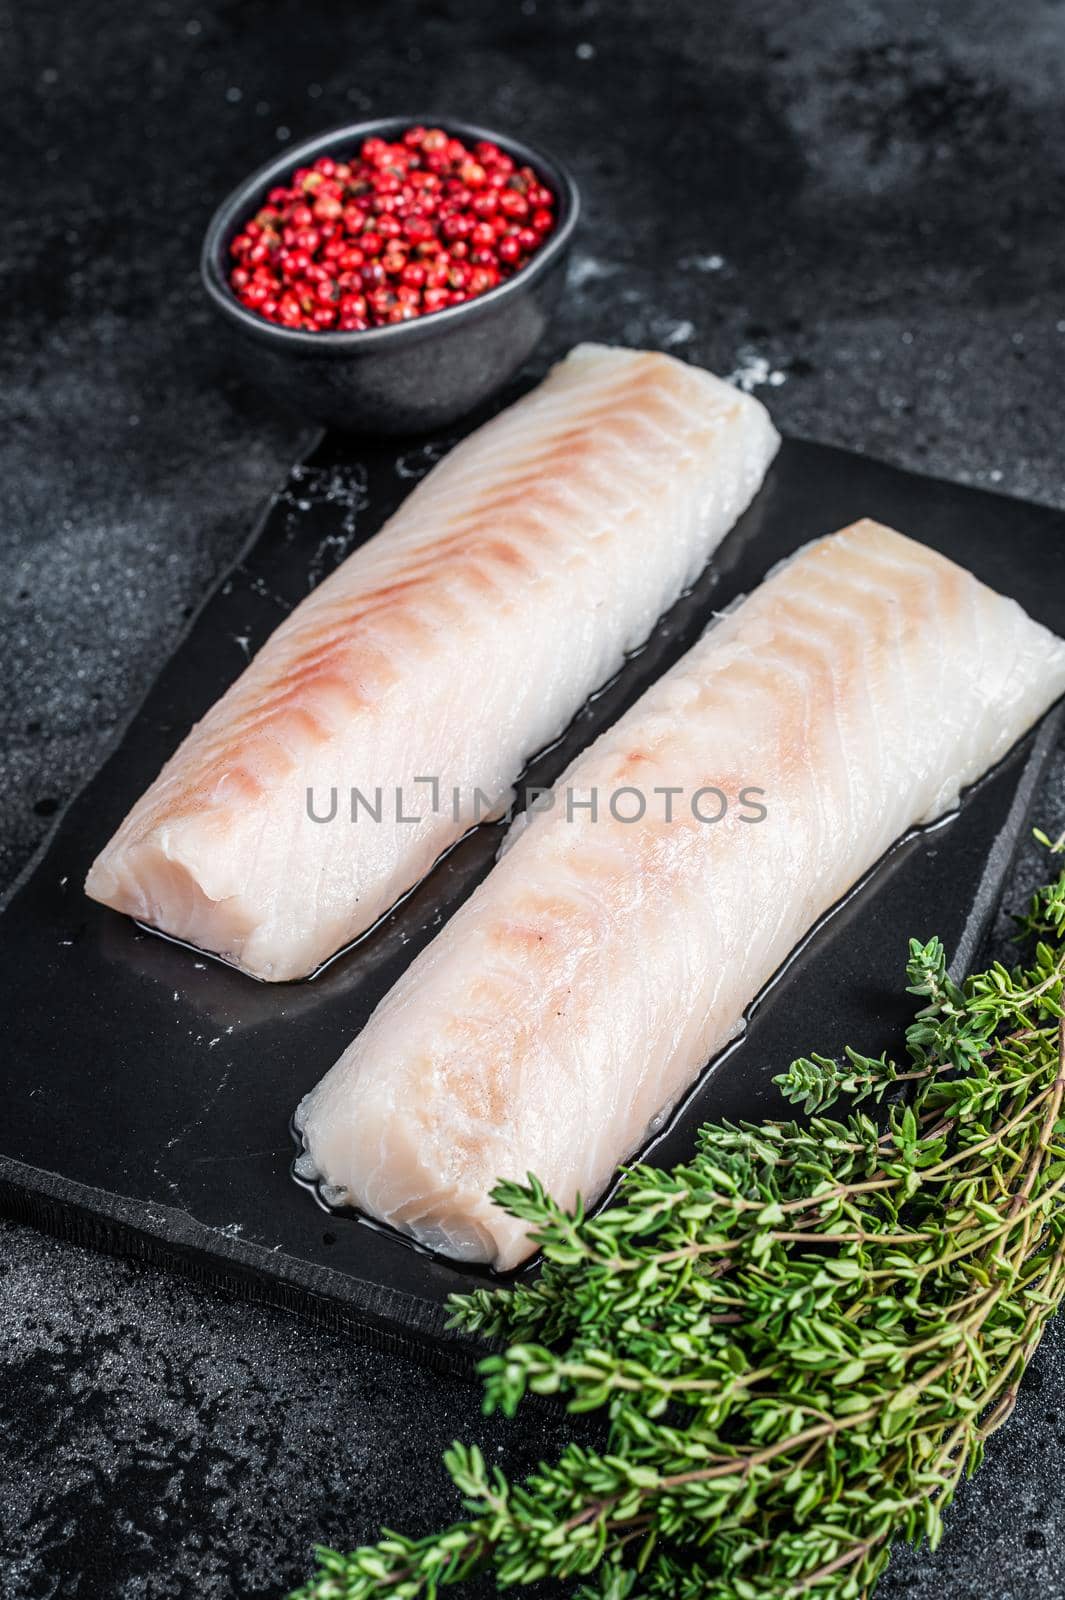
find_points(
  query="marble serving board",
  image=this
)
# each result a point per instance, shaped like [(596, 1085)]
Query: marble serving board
[(148, 1090)]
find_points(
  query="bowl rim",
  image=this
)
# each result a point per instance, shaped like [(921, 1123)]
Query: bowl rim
[(241, 200)]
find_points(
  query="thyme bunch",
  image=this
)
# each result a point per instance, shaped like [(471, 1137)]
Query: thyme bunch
[(801, 1339)]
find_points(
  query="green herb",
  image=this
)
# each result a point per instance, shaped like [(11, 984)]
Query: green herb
[(801, 1339)]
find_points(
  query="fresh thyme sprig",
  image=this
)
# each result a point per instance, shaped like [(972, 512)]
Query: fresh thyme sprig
[(801, 1338)]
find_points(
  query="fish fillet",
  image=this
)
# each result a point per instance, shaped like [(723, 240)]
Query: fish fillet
[(580, 990), (452, 646)]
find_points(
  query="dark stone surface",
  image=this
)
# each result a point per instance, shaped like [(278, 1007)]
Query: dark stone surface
[(858, 207)]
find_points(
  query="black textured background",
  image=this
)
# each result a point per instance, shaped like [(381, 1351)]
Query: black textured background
[(856, 207)]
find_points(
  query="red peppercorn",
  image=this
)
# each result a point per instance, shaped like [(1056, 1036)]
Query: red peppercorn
[(289, 310), (397, 230), (513, 203)]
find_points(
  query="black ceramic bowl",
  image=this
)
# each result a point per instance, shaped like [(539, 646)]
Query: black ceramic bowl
[(412, 376)]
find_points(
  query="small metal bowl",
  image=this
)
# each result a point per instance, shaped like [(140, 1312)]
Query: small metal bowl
[(408, 377)]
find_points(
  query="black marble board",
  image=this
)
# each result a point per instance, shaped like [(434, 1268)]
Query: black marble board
[(147, 1091)]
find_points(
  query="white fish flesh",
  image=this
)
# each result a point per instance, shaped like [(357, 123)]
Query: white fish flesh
[(577, 994), (452, 646)]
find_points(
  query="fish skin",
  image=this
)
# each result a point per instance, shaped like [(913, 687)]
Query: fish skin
[(584, 985), (455, 644)]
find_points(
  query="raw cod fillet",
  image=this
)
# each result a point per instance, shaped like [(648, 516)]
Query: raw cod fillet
[(453, 645), (583, 986)]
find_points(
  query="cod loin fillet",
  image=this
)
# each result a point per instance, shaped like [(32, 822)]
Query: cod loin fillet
[(451, 646), (577, 994)]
